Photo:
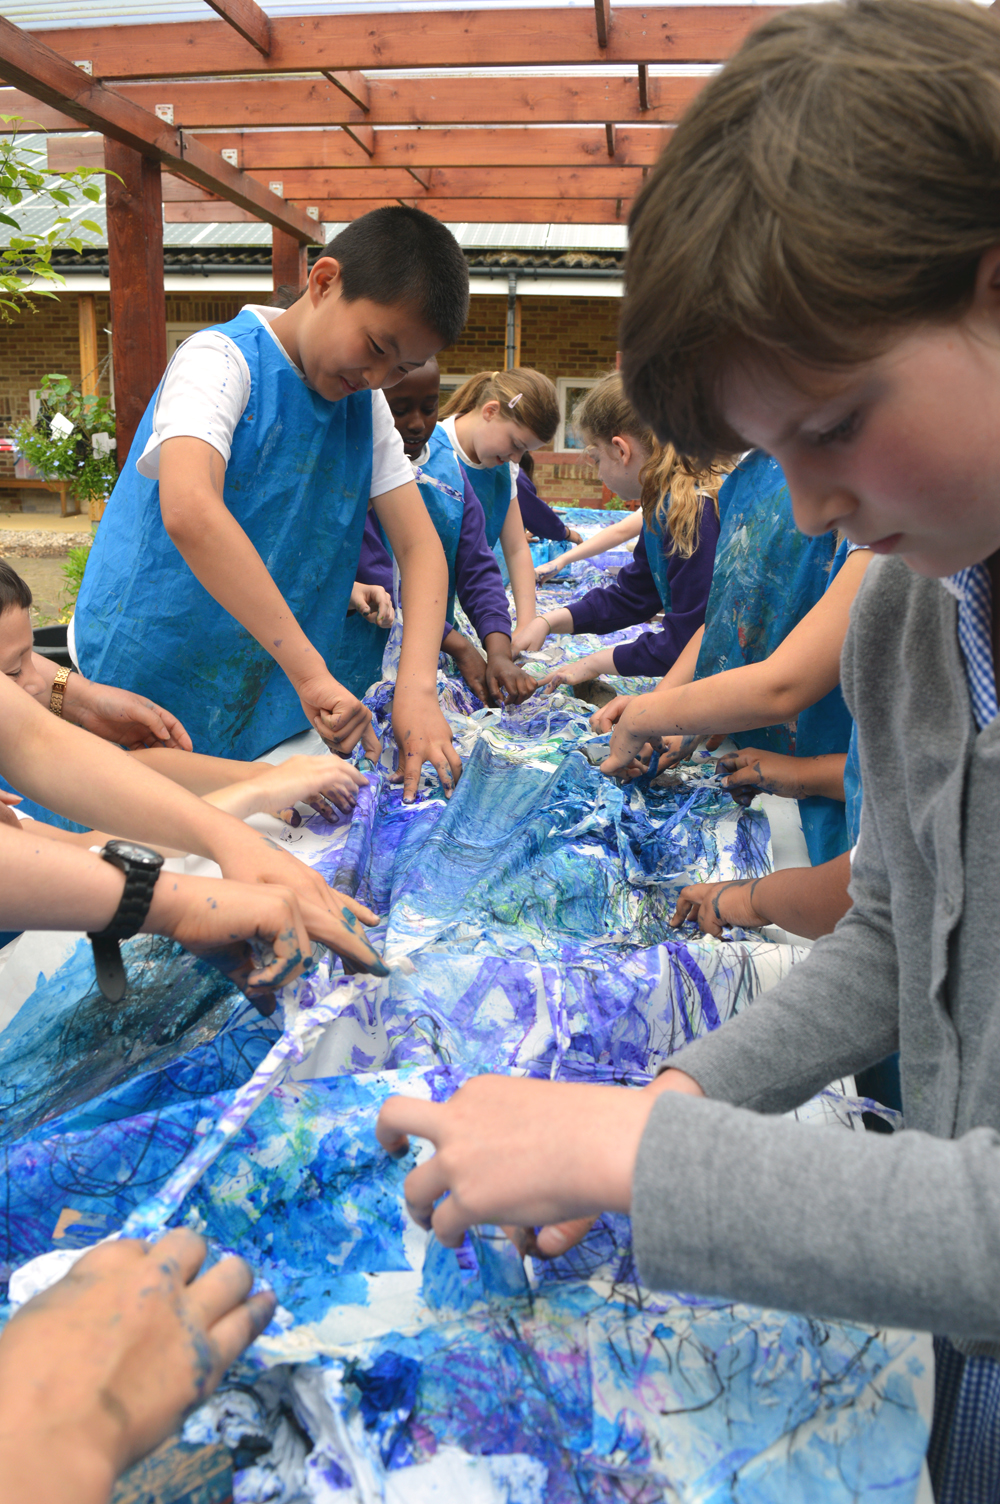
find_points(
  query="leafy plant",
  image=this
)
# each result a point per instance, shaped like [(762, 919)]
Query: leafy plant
[(71, 439), (72, 573), (26, 260)]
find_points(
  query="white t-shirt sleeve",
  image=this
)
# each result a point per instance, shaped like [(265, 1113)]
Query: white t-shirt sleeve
[(390, 467), (203, 396), (513, 481)]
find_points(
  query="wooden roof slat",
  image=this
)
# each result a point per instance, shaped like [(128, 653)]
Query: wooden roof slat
[(293, 152), (41, 72), (415, 39), (567, 211), (285, 103), (455, 182), (246, 18), (353, 84)]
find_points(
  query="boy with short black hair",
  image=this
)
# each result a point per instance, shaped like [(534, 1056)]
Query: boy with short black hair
[(222, 571)]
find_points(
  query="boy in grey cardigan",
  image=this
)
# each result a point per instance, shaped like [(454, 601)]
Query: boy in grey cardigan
[(814, 269)]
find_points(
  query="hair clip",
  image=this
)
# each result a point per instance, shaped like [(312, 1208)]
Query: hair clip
[(515, 400)]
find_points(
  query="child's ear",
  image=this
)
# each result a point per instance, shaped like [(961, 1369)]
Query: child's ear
[(490, 411), (324, 278), (622, 448)]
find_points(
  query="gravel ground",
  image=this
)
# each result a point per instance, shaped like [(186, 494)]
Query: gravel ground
[(18, 543)]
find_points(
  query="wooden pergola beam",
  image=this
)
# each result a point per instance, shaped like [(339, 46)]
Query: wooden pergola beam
[(282, 104), (246, 18), (299, 155), (444, 182), (567, 211), (41, 72), (415, 39), (353, 84)]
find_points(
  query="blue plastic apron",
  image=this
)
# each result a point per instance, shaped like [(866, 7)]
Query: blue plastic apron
[(493, 487), (852, 788), (657, 540), (298, 482), (823, 728)]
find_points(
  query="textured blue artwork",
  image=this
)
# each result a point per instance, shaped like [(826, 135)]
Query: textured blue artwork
[(525, 931)]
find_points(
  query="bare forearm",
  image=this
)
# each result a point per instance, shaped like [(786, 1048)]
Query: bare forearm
[(194, 770), (822, 776), (559, 621), (47, 885), (805, 900), (685, 664), (521, 569), (423, 595), (739, 700)]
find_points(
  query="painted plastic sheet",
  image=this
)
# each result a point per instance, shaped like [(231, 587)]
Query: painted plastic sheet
[(525, 931)]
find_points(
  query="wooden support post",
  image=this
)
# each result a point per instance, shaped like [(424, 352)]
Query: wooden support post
[(644, 86), (289, 261), (609, 136), (517, 331), (602, 17), (89, 379), (138, 301)]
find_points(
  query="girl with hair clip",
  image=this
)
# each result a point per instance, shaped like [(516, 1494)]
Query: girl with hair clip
[(671, 570), (492, 420)]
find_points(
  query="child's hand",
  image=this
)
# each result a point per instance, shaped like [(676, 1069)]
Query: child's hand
[(100, 1368), (576, 671), (632, 731), (339, 717), (119, 716), (752, 772), (573, 535), (545, 571), (506, 684), (423, 735), (717, 905), (603, 720), (521, 1152), (469, 661), (529, 639), (373, 603), (321, 782)]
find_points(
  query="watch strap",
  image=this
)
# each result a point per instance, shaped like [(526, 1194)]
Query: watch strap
[(109, 967), (59, 690)]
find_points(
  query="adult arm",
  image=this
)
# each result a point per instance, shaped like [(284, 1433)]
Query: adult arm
[(101, 786), (804, 668), (117, 715), (223, 559), (421, 731)]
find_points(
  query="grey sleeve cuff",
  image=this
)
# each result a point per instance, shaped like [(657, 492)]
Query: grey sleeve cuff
[(901, 1230)]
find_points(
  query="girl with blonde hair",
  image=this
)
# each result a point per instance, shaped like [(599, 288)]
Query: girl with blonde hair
[(671, 570), (492, 420)]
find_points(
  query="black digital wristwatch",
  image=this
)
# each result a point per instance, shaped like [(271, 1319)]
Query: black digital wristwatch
[(141, 867)]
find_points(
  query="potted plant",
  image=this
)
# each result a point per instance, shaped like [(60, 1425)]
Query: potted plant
[(72, 439)]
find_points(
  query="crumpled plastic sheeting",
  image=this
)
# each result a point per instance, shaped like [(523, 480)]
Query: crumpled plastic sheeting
[(525, 929)]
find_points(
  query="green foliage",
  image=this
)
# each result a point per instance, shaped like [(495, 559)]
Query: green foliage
[(70, 455), (26, 260), (72, 573)]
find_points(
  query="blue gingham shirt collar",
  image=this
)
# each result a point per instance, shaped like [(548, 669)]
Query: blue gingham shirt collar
[(973, 589)]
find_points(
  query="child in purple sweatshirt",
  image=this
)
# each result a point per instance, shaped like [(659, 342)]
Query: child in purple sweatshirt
[(671, 569), (474, 575)]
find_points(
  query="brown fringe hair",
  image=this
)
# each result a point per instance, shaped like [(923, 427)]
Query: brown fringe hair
[(535, 405), (835, 185), (672, 490)]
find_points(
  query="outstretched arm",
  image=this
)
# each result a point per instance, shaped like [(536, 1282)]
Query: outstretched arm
[(520, 567), (598, 543)]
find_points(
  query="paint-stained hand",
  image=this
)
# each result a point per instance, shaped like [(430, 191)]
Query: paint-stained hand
[(506, 684), (423, 735), (719, 906), (100, 1368), (326, 784), (605, 719), (373, 603), (752, 772), (576, 671), (546, 571), (119, 716), (549, 1242), (469, 661), (218, 920), (339, 717)]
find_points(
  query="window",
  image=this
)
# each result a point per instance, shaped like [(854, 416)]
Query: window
[(178, 333), (569, 390)]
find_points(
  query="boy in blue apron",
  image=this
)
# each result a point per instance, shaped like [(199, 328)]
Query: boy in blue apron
[(473, 573), (221, 575)]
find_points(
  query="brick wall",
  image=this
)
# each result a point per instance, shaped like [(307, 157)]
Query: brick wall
[(560, 336)]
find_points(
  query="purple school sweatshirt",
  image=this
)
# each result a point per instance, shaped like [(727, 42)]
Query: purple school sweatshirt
[(478, 581), (536, 514), (634, 597)]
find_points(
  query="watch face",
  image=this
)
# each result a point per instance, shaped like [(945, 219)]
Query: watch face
[(136, 856)]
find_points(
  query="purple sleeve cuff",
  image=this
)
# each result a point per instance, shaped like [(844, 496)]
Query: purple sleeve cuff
[(375, 564)]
